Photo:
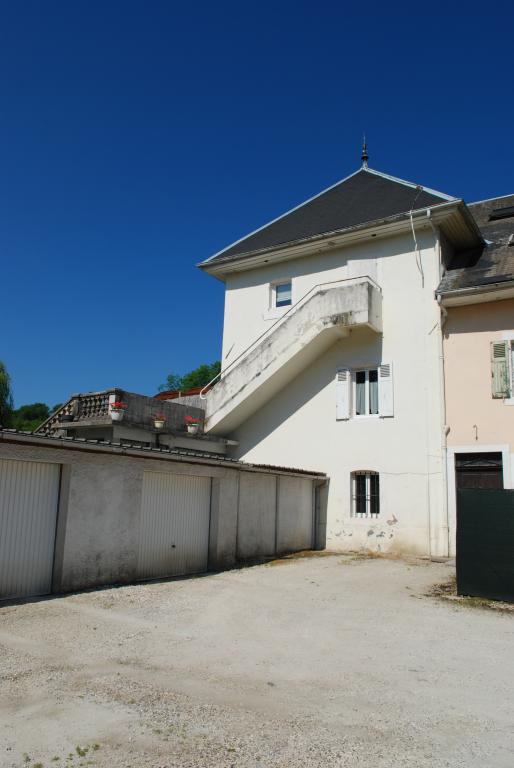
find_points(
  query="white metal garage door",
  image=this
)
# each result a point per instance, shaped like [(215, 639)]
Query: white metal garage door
[(174, 534), (29, 496)]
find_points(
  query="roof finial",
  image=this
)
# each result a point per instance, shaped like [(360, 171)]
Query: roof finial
[(364, 156)]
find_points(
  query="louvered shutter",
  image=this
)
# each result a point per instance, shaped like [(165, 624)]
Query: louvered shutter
[(499, 369), (343, 379), (385, 390)]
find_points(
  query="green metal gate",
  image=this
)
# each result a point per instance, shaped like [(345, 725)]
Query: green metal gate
[(485, 543)]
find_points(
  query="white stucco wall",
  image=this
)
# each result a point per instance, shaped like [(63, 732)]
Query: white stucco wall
[(298, 428), (247, 294)]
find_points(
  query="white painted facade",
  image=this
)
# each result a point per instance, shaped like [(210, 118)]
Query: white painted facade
[(297, 426)]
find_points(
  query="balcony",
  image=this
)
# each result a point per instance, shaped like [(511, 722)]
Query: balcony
[(327, 313)]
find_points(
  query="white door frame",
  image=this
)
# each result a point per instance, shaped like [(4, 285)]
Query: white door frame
[(504, 449)]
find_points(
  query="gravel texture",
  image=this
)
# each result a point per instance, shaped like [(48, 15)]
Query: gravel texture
[(319, 661)]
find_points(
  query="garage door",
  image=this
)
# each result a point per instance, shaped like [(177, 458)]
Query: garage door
[(174, 534), (29, 496)]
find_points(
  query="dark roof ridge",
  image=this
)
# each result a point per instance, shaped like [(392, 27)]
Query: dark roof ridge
[(364, 196)]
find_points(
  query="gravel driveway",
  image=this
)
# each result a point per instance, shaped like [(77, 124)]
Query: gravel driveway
[(322, 661)]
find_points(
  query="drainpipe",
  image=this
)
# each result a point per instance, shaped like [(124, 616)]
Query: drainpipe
[(444, 426), (320, 513)]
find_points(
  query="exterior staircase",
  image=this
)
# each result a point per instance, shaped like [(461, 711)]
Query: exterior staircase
[(311, 326)]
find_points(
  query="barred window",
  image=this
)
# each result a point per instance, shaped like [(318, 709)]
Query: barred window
[(365, 493)]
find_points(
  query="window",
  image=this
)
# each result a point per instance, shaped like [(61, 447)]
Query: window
[(365, 494), (502, 369), (282, 294), (366, 392)]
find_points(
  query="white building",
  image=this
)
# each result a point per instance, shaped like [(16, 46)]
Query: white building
[(332, 354)]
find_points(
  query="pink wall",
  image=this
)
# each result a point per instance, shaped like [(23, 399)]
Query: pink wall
[(468, 332)]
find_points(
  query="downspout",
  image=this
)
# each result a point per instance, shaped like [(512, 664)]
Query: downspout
[(320, 491), (444, 426)]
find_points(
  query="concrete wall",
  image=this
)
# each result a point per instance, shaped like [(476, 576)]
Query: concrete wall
[(297, 426), (97, 539), (296, 515), (257, 516), (478, 422), (276, 514), (141, 411)]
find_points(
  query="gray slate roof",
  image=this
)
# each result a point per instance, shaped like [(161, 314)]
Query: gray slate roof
[(495, 263), (363, 197)]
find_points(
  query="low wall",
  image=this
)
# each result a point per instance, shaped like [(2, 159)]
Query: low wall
[(254, 512)]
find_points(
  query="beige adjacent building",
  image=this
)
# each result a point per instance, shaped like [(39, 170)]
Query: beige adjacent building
[(477, 298)]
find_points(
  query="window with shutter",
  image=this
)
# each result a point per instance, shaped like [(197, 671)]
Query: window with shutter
[(368, 392), (500, 384), (385, 390), (343, 394), (365, 392)]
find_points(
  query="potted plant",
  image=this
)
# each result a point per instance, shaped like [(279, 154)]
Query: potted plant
[(192, 424), (117, 409), (159, 420)]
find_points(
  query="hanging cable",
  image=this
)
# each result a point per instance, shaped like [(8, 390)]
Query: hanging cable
[(419, 263)]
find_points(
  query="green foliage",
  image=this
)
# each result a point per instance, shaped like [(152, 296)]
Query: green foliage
[(26, 418), (6, 401), (29, 417), (199, 377), (173, 381)]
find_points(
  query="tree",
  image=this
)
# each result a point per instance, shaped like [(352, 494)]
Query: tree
[(198, 377), (201, 376), (6, 400), (173, 381), (29, 417)]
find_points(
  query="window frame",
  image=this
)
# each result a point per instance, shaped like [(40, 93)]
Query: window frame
[(368, 514), (508, 336), (273, 297), (510, 371), (510, 363), (366, 371)]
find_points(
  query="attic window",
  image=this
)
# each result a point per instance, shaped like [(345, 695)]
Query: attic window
[(501, 213)]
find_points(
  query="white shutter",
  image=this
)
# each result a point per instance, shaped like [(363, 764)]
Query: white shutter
[(343, 380), (385, 389), (499, 369)]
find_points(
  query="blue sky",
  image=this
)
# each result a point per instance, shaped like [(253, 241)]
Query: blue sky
[(138, 138)]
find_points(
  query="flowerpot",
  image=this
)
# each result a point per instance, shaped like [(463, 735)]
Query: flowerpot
[(159, 423), (193, 429), (116, 414)]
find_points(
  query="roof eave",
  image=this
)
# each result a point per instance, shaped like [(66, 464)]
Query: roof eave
[(477, 294), (327, 240)]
